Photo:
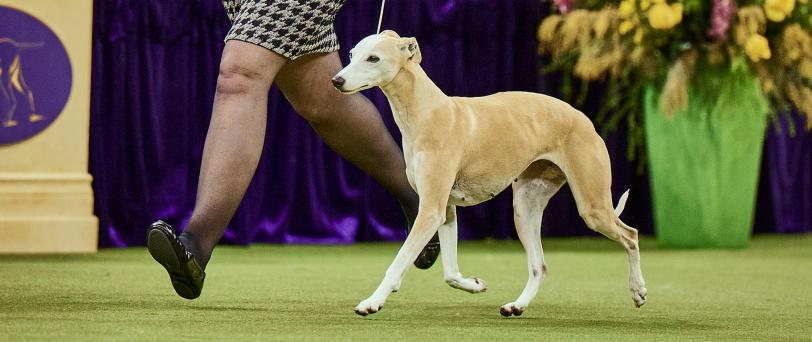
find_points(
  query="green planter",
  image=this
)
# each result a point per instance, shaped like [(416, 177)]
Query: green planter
[(705, 161)]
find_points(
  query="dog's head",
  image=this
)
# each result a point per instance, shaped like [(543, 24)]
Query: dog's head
[(375, 61)]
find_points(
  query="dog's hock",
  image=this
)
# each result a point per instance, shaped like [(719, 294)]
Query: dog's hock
[(410, 47)]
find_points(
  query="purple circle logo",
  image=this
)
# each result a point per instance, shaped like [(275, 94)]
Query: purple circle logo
[(35, 76)]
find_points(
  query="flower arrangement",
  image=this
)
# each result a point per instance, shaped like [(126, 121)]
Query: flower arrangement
[(627, 44)]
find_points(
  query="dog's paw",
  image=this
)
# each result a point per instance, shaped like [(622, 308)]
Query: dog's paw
[(639, 296), (512, 309), (368, 306), (471, 285)]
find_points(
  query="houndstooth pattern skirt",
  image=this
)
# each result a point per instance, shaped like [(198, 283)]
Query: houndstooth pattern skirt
[(291, 28)]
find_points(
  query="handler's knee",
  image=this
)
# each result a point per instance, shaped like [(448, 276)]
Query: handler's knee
[(236, 78), (247, 68)]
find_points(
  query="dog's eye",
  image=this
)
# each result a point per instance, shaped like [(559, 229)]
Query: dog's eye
[(373, 59)]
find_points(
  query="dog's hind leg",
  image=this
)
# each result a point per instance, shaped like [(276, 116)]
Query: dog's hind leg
[(448, 248), (531, 193), (637, 284), (586, 165)]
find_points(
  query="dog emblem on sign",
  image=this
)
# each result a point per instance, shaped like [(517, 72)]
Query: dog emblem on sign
[(35, 76)]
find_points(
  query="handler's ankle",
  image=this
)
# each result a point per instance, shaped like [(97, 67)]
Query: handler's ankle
[(194, 246)]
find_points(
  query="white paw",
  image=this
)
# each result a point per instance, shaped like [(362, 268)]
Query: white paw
[(639, 296), (512, 309), (368, 306), (472, 285)]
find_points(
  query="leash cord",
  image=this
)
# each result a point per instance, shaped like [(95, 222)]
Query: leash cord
[(380, 18)]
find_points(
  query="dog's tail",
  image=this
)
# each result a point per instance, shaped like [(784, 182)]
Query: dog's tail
[(621, 203)]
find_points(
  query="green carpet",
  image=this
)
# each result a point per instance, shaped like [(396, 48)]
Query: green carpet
[(308, 292)]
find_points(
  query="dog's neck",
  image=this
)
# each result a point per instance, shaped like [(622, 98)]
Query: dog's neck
[(412, 94)]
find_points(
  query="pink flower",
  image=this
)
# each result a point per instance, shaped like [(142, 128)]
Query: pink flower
[(721, 15), (564, 6)]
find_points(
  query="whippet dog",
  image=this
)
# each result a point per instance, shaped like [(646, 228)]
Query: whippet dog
[(463, 151)]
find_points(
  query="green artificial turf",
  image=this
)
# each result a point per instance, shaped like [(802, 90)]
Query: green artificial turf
[(273, 292)]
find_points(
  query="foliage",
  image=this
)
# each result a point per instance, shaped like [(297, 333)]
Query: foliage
[(627, 44)]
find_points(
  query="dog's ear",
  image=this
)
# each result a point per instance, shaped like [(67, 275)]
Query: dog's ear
[(409, 47), (390, 33)]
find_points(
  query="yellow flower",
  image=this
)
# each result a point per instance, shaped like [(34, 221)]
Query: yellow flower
[(663, 16), (637, 55), (805, 68), (793, 53), (768, 86), (645, 4), (625, 26), (757, 48), (778, 10), (638, 36), (626, 8)]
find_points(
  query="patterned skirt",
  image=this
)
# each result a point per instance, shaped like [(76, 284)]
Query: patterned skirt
[(291, 28)]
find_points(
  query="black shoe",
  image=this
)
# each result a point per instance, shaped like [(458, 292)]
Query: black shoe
[(429, 254), (185, 273)]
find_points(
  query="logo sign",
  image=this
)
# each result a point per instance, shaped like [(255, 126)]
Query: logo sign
[(35, 76)]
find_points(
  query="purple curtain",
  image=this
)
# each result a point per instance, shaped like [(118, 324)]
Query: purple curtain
[(154, 71), (785, 194)]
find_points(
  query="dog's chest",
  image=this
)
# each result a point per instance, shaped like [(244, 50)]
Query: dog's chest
[(472, 185), (468, 192)]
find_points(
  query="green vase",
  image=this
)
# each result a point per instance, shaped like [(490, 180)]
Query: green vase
[(705, 160)]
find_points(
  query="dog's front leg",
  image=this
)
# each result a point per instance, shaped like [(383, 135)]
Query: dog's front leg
[(433, 187), (424, 228), (448, 246)]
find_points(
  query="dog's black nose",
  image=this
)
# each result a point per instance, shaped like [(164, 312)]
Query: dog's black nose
[(338, 81)]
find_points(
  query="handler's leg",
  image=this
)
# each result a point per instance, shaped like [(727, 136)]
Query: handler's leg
[(233, 143), (352, 126), (230, 156)]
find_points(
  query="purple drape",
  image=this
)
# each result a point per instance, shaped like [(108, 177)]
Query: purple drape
[(154, 72), (785, 197)]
